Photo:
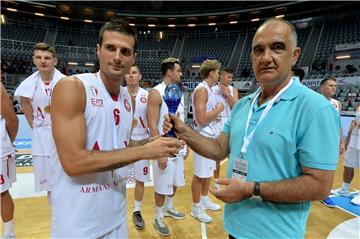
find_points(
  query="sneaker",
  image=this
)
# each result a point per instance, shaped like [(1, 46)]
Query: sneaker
[(161, 227), (171, 212), (209, 204), (328, 202), (340, 192), (138, 220), (199, 214), (356, 200)]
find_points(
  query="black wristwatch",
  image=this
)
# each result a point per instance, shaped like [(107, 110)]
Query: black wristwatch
[(256, 196)]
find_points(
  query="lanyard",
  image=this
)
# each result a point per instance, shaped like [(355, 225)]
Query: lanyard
[(248, 139), (110, 103)]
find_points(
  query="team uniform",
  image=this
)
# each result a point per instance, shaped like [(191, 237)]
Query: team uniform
[(40, 94), (352, 155), (204, 167), (173, 174), (7, 154), (140, 132), (221, 98), (94, 205), (336, 104)]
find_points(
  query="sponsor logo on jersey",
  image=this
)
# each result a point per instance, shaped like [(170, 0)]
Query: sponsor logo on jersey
[(143, 99)]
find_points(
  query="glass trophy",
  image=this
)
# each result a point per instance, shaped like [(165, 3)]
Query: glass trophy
[(172, 98)]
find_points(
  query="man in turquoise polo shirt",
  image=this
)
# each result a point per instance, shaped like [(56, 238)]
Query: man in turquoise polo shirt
[(282, 140)]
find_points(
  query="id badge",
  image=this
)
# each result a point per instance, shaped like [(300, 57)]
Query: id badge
[(240, 168)]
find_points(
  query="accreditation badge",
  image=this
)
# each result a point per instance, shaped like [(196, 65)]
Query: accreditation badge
[(240, 168), (47, 109), (134, 122)]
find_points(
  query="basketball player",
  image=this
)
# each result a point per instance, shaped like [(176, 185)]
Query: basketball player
[(352, 159), (227, 95), (139, 133), (206, 112), (91, 116), (328, 89), (168, 172), (8, 129), (35, 95)]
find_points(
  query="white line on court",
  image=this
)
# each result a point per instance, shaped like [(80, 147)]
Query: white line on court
[(203, 231)]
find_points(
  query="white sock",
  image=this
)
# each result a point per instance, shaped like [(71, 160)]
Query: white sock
[(196, 205), (169, 202), (346, 186), (204, 198), (137, 206), (159, 212), (9, 228)]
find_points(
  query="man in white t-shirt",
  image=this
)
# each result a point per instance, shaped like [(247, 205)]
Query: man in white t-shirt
[(35, 95), (226, 94), (168, 171), (206, 113), (8, 129), (139, 133), (328, 89), (91, 119)]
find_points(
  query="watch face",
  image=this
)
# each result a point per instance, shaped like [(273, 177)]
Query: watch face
[(256, 198)]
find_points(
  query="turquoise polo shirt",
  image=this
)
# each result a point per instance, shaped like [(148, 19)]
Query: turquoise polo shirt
[(301, 129)]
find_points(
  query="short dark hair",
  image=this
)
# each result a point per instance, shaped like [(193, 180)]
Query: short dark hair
[(227, 70), (326, 79), (120, 26), (168, 64), (42, 46), (297, 71)]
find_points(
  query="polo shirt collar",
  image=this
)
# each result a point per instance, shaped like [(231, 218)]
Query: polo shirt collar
[(290, 94)]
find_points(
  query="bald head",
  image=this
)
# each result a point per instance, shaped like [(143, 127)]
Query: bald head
[(275, 22)]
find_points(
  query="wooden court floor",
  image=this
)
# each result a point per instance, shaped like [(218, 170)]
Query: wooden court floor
[(32, 215)]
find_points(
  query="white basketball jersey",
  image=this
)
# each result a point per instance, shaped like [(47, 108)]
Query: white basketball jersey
[(220, 98), (41, 99), (91, 205), (164, 110), (335, 103), (140, 127), (6, 147), (209, 129), (355, 133)]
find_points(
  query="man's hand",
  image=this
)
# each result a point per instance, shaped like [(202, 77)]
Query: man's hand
[(225, 90), (235, 190), (162, 163), (342, 148), (160, 147)]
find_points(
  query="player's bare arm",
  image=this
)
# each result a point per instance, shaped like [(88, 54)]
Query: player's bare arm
[(8, 113), (69, 131), (26, 107), (200, 99), (152, 115)]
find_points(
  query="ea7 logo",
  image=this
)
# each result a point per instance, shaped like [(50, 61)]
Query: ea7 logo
[(97, 102)]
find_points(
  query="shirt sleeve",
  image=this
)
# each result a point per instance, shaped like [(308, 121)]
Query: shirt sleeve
[(318, 147)]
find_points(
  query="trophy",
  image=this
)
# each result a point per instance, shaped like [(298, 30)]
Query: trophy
[(172, 98)]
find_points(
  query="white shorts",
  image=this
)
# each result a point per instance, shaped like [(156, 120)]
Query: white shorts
[(173, 175), (203, 167), (352, 158), (43, 172), (142, 171), (119, 232), (7, 172)]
